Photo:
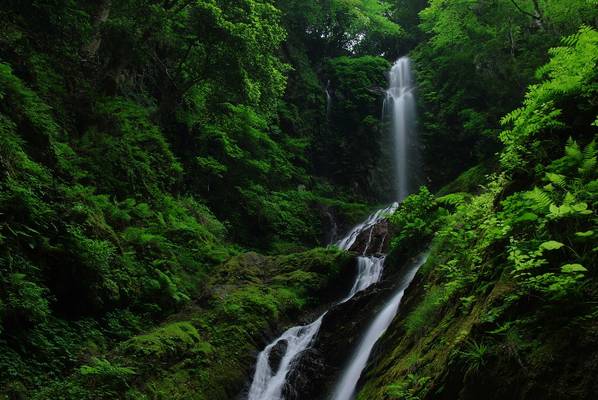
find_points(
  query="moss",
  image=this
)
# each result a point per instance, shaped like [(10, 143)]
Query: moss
[(424, 314), (173, 340), (469, 181)]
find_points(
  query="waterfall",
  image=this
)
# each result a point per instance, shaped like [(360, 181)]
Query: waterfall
[(399, 106), (346, 386), (268, 384)]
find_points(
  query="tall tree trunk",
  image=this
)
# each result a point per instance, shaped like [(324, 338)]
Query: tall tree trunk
[(538, 16), (102, 13)]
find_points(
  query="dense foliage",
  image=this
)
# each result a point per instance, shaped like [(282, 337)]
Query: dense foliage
[(511, 281), (473, 66), (144, 143), (147, 147)]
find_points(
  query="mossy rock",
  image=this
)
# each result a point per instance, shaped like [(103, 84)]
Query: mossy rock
[(469, 181), (171, 341)]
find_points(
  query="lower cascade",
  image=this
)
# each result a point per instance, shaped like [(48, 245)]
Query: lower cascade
[(268, 384), (346, 387)]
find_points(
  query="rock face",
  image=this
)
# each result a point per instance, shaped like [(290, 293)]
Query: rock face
[(375, 240), (277, 354)]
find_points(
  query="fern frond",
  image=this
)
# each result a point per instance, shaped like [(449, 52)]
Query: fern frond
[(589, 163), (573, 151), (571, 40), (589, 166), (590, 151), (540, 199), (558, 179)]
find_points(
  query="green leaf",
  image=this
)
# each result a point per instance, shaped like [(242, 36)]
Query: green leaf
[(551, 245), (527, 217), (569, 199), (554, 209), (581, 209), (557, 179), (571, 268), (584, 234)]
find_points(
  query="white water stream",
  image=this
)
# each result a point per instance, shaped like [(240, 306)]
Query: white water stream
[(400, 106), (345, 389)]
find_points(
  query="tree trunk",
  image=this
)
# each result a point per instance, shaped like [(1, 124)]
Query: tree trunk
[(538, 16), (102, 13)]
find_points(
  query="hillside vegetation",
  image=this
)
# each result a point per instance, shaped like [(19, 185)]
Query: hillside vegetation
[(170, 171)]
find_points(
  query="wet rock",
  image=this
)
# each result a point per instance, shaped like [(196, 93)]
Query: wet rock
[(276, 354), (373, 241)]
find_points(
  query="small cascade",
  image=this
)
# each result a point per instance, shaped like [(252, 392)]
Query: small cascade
[(346, 387), (348, 241), (399, 106), (369, 271), (268, 384)]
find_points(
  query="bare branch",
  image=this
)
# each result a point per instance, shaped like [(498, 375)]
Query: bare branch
[(537, 18)]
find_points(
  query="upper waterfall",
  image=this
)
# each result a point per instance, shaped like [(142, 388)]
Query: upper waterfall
[(399, 106)]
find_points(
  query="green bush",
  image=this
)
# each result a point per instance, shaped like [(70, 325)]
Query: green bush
[(415, 221)]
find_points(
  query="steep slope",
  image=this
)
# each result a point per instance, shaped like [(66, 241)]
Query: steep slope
[(506, 305), (205, 351)]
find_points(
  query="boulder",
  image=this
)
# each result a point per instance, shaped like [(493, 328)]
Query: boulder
[(373, 241)]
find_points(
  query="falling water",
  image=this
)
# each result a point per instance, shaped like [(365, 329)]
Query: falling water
[(399, 105), (268, 384), (346, 386)]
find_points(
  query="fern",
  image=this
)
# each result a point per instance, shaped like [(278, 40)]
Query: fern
[(557, 179), (540, 199), (571, 40), (573, 151), (590, 160)]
